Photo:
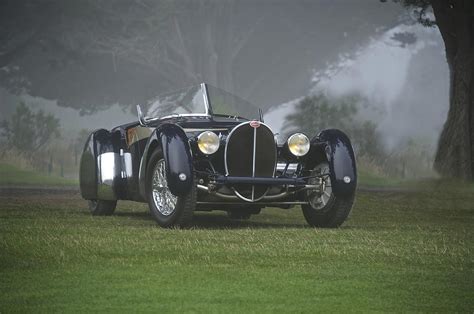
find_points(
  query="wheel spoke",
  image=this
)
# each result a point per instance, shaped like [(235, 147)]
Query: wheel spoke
[(320, 199), (164, 200), (323, 201)]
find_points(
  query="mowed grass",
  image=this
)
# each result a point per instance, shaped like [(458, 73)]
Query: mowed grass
[(368, 179), (398, 252), (12, 175)]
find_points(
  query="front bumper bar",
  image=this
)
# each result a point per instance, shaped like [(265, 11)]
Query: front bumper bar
[(259, 180)]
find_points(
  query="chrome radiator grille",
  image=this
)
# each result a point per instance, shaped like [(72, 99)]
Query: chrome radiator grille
[(250, 152)]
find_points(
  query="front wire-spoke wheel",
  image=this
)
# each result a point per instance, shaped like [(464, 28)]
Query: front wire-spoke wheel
[(324, 209), (166, 208), (320, 199), (163, 199)]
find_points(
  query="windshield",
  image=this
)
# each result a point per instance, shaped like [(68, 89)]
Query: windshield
[(186, 101), (225, 103), (201, 100)]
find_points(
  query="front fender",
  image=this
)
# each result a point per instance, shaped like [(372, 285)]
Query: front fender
[(341, 159), (173, 143)]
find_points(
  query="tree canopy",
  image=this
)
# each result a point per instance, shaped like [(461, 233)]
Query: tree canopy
[(92, 53)]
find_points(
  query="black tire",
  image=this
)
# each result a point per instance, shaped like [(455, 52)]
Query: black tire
[(101, 207), (333, 216), (181, 214), (329, 215)]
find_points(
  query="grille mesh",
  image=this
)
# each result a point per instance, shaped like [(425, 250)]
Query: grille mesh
[(250, 152)]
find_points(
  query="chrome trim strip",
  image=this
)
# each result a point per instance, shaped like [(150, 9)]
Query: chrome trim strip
[(202, 187), (205, 96), (248, 199), (264, 197), (177, 115), (281, 166), (262, 203), (235, 198), (198, 130), (226, 144), (127, 168), (224, 196), (253, 161), (141, 117)]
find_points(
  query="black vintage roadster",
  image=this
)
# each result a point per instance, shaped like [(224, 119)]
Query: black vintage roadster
[(204, 149)]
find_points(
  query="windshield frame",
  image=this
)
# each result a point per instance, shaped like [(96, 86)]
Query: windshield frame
[(207, 107), (241, 114)]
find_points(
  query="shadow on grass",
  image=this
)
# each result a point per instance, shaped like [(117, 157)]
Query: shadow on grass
[(216, 221), (135, 215)]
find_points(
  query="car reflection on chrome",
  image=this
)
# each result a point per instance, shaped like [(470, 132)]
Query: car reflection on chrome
[(204, 149)]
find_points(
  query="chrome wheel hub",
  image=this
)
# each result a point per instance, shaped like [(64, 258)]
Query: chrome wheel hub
[(164, 200), (319, 198)]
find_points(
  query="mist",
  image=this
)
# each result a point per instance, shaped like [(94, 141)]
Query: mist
[(90, 63), (287, 156), (407, 85)]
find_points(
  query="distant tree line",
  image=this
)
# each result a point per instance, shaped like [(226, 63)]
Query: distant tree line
[(410, 158), (33, 139), (29, 131)]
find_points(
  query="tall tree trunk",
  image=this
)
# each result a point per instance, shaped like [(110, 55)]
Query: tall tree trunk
[(455, 154)]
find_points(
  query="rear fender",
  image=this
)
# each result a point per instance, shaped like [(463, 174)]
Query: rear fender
[(174, 144), (338, 151), (100, 166)]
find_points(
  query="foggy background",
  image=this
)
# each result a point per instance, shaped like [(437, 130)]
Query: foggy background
[(90, 62)]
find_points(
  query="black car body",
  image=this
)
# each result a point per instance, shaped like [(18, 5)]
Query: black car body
[(206, 149)]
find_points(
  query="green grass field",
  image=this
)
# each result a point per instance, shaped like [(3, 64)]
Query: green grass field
[(408, 251), (13, 175)]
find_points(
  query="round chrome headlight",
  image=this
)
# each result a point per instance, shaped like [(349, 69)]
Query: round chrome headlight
[(298, 144), (208, 142)]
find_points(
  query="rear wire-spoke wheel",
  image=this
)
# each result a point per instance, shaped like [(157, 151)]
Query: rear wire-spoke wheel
[(325, 210), (102, 207), (166, 208)]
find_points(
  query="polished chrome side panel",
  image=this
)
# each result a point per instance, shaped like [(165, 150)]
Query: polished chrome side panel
[(126, 165), (106, 171), (108, 174), (113, 170)]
